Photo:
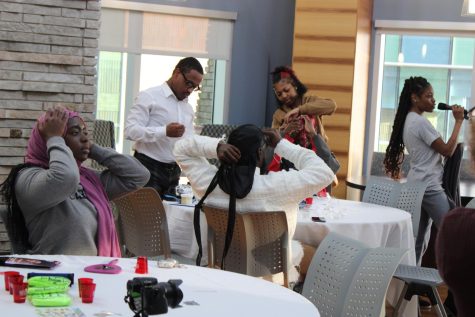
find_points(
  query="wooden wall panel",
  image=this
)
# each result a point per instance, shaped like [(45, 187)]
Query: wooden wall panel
[(330, 73), (342, 98), (326, 4), (338, 120), (323, 48), (330, 56), (338, 139), (328, 24)]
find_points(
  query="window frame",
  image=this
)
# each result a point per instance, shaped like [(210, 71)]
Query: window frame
[(132, 52)]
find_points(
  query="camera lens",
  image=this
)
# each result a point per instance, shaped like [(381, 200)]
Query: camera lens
[(173, 293)]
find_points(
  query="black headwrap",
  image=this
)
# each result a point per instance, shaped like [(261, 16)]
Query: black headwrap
[(235, 180)]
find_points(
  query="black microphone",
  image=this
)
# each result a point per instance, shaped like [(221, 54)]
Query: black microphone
[(444, 106)]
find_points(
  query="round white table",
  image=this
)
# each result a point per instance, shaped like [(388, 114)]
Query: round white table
[(182, 232), (374, 225), (206, 292)]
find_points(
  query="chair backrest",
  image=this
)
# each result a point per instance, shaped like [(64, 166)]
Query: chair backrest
[(451, 176), (103, 135), (259, 245), (471, 203), (381, 191), (377, 164), (143, 223), (217, 130), (366, 294), (406, 196), (331, 272), (347, 278)]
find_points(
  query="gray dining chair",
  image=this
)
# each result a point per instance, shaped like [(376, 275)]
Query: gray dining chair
[(347, 278), (407, 196), (103, 135), (471, 203)]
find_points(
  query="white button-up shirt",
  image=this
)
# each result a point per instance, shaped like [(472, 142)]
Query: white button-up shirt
[(146, 123)]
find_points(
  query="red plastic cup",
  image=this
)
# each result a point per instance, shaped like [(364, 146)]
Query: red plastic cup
[(83, 280), (309, 200), (322, 194), (14, 279), (19, 292), (6, 276), (142, 265), (87, 292)]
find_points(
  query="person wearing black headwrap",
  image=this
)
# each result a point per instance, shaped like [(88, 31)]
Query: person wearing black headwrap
[(238, 186)]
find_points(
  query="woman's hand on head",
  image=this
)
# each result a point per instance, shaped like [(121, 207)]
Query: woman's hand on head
[(292, 114), (272, 137), (228, 153), (54, 123)]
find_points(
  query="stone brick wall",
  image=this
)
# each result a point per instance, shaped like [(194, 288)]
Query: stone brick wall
[(204, 110), (48, 55)]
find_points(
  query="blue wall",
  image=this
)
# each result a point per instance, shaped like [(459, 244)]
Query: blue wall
[(263, 39)]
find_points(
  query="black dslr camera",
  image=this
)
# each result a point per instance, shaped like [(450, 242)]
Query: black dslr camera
[(146, 296)]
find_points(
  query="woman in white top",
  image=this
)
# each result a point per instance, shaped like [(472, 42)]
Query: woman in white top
[(426, 151)]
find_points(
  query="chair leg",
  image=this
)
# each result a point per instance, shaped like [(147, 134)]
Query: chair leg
[(286, 279), (401, 302), (439, 306)]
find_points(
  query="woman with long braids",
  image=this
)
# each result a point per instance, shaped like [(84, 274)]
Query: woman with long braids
[(426, 150)]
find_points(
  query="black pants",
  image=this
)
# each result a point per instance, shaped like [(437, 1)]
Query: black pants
[(164, 177)]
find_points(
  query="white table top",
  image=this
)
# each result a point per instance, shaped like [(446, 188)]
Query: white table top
[(218, 293), (182, 232), (374, 225)]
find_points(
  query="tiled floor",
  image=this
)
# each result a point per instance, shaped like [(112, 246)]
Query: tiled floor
[(424, 312)]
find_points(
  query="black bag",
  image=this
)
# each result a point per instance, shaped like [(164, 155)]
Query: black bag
[(324, 152)]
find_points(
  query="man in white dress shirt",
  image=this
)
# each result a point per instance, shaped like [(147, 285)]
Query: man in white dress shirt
[(160, 116), (282, 190)]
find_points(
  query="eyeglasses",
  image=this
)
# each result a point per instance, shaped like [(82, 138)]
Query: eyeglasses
[(189, 84)]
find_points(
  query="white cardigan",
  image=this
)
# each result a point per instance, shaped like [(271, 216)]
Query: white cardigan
[(282, 190)]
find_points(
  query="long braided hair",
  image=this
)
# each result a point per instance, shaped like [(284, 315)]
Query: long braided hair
[(14, 220), (395, 150)]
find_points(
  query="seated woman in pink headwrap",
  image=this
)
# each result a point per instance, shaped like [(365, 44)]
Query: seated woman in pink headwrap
[(57, 206)]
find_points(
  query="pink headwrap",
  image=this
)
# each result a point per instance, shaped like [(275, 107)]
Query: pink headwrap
[(106, 237)]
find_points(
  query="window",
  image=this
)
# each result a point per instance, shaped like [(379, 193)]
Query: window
[(445, 60), (153, 71), (141, 43)]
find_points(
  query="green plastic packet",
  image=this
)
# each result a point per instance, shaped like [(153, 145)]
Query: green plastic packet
[(50, 300), (43, 281), (32, 290)]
